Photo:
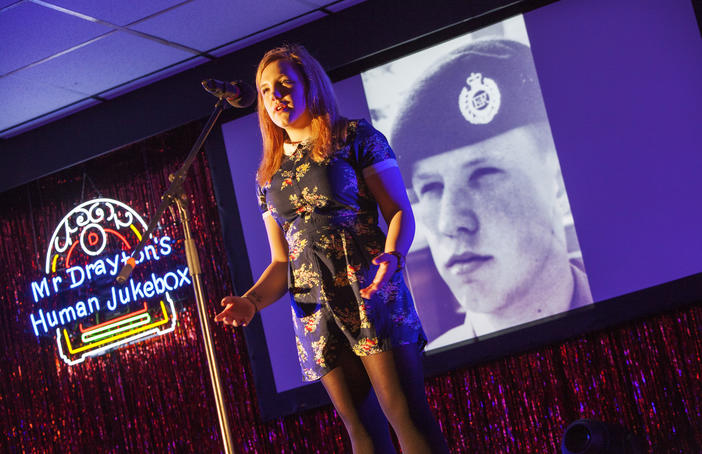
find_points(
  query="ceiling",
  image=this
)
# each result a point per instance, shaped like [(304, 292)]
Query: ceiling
[(61, 56)]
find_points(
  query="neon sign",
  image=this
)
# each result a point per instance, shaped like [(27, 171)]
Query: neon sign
[(90, 314)]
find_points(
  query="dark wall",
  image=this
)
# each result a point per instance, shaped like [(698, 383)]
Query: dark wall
[(339, 41)]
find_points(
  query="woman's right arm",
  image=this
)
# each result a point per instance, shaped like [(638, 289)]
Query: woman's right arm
[(272, 284)]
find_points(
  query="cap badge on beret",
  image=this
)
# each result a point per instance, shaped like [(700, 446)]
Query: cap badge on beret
[(479, 100)]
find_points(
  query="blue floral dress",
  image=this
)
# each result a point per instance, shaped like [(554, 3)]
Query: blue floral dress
[(330, 221)]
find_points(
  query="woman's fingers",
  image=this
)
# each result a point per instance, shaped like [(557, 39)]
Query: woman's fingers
[(235, 312), (229, 315), (228, 300), (382, 276), (222, 315)]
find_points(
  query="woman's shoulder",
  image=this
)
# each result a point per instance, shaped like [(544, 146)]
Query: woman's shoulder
[(361, 130), (360, 125), (365, 144)]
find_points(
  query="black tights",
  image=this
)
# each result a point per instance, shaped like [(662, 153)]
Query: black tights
[(398, 381)]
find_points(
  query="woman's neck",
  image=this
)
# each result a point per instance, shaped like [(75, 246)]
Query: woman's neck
[(291, 142), (297, 135)]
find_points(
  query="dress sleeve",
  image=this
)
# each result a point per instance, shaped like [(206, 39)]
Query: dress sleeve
[(373, 153), (262, 205)]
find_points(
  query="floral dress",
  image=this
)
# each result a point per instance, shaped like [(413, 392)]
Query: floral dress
[(330, 221)]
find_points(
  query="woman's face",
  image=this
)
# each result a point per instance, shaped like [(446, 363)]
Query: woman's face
[(283, 92)]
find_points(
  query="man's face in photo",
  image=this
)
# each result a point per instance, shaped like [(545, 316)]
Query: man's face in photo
[(491, 216)]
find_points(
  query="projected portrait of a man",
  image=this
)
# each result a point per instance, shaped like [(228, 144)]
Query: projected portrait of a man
[(476, 147)]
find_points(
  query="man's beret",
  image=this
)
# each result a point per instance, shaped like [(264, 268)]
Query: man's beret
[(476, 92)]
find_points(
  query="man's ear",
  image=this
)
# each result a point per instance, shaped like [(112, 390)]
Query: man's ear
[(561, 205), (412, 196)]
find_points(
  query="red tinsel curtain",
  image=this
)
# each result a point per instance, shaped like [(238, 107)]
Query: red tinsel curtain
[(155, 396)]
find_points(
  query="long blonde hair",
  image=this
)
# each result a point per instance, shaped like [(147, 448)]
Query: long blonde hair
[(327, 126)]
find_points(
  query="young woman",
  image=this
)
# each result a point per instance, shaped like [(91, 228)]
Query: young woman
[(320, 183)]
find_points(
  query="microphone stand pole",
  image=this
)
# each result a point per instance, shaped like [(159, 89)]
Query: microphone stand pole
[(175, 194), (196, 273)]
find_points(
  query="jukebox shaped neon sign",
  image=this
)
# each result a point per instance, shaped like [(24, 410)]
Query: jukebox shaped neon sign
[(77, 298)]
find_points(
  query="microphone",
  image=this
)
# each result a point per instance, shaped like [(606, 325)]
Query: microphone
[(237, 93), (126, 271)]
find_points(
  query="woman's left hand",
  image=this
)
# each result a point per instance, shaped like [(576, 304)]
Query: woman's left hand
[(387, 266)]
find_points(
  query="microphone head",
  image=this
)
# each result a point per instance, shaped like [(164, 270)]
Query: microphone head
[(210, 85), (247, 95), (237, 93)]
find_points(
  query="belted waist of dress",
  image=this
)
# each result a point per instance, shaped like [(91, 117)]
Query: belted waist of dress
[(316, 221)]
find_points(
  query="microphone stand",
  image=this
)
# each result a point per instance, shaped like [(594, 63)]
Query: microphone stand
[(175, 194)]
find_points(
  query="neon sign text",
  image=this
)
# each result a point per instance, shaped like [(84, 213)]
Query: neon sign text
[(154, 286), (78, 275)]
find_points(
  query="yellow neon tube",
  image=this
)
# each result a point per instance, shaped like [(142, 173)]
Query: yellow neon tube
[(128, 324), (120, 336), (136, 232)]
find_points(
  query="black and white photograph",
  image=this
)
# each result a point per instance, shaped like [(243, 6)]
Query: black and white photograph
[(496, 245)]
